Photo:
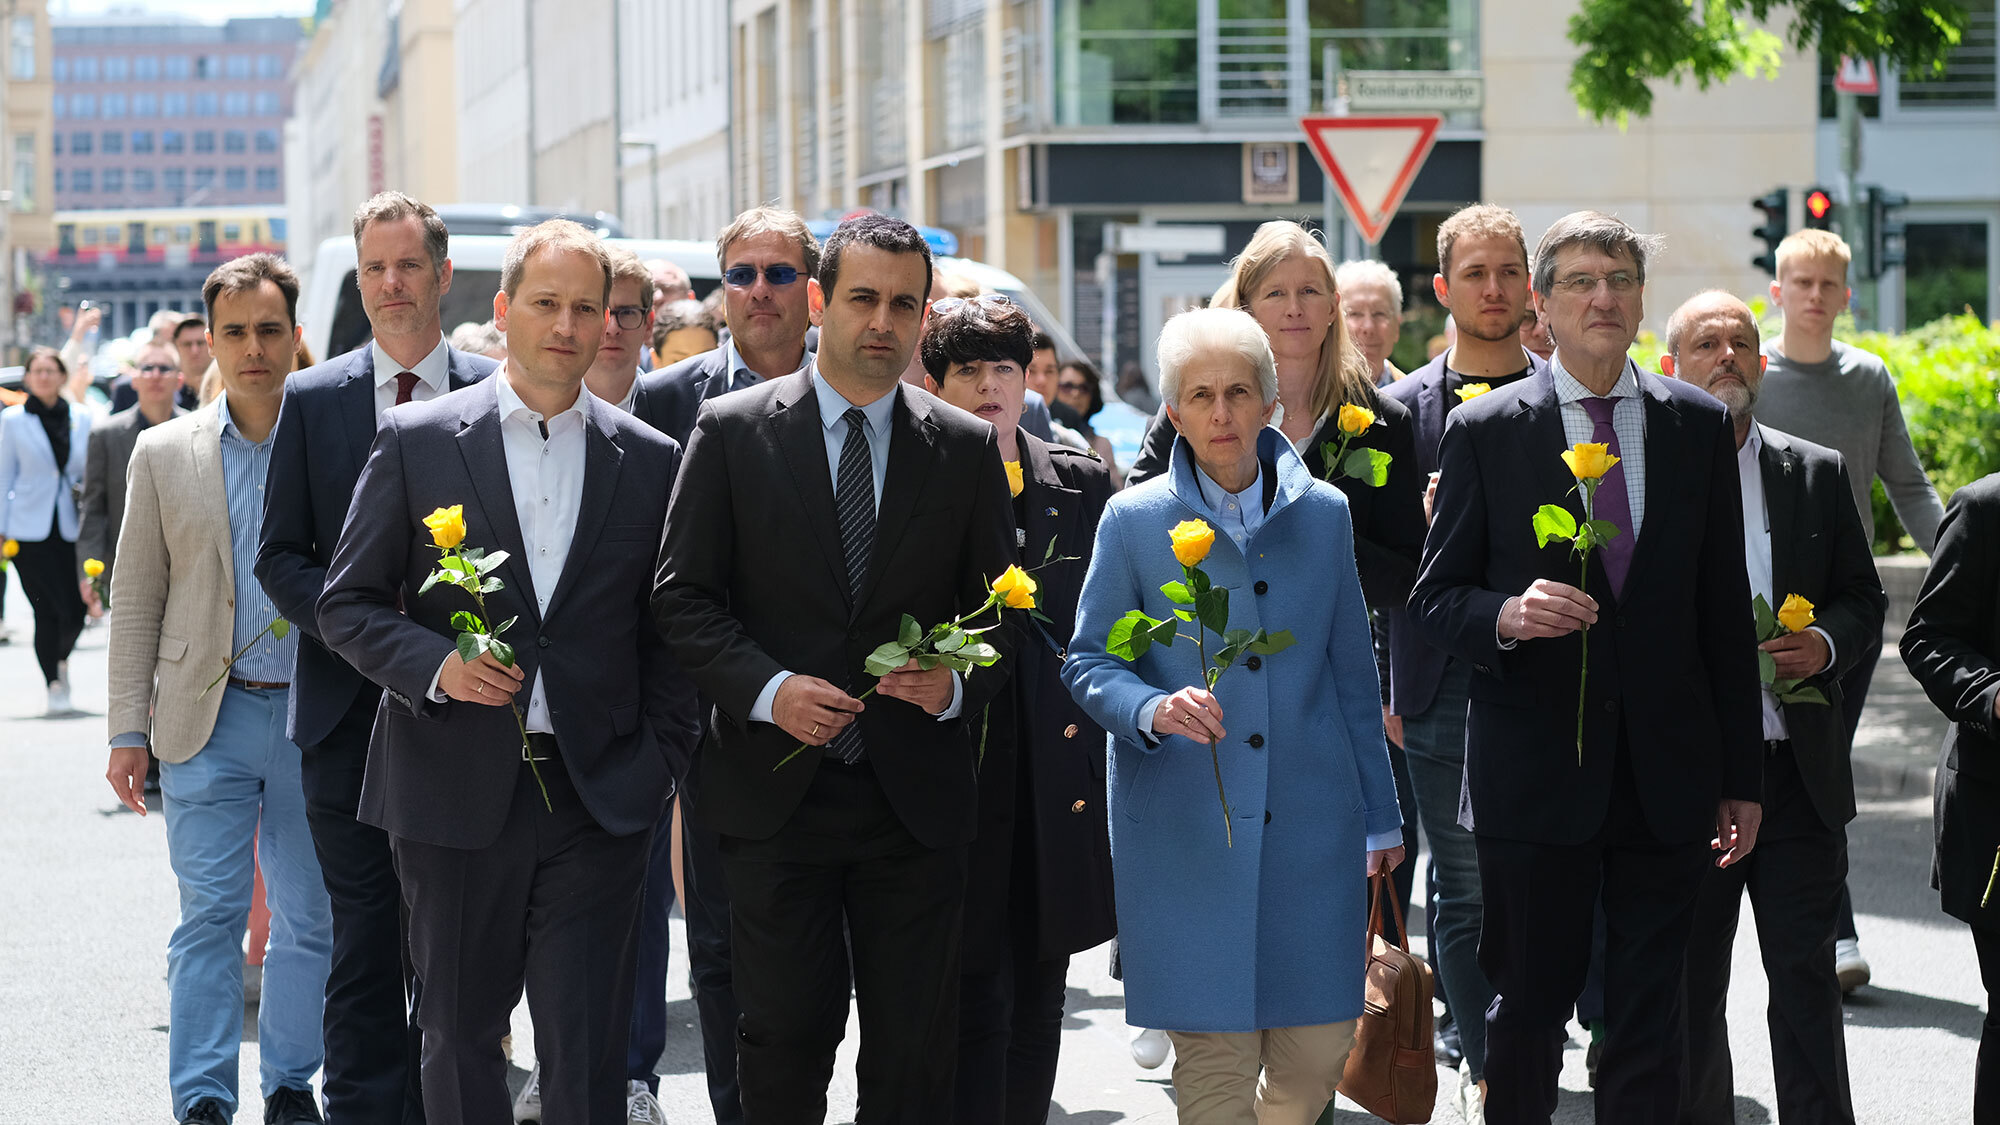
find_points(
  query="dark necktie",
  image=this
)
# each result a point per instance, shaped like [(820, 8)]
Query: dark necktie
[(1613, 503), (406, 384), (854, 502)]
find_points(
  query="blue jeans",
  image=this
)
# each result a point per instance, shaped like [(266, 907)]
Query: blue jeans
[(1434, 743), (242, 791)]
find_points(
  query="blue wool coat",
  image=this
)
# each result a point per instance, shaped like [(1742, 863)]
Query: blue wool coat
[(1269, 933)]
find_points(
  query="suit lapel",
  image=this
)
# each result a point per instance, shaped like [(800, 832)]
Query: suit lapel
[(1051, 510), (911, 453), (1430, 416), (480, 444), (795, 426), (601, 461), (1777, 464), (205, 451), (457, 376), (357, 406)]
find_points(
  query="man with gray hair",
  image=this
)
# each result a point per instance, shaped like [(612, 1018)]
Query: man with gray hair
[(1802, 535), (1371, 301), (1622, 783)]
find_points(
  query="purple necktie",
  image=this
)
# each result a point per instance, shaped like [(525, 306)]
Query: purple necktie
[(1612, 502)]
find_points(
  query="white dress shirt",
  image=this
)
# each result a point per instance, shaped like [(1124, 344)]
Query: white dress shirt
[(1628, 420), (1757, 559), (433, 374), (546, 475)]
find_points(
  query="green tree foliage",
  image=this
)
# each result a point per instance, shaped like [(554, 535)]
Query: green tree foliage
[(1626, 44)]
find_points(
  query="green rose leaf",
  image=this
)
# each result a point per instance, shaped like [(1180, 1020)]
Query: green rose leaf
[(465, 622), (1803, 695), (280, 627), (1212, 606), (490, 563), (1197, 581), (506, 625), (1601, 532), (1164, 633), (1264, 644), (436, 576), (1767, 667), (470, 646), (886, 659), (953, 642), (1369, 466), (502, 651), (1178, 593), (1552, 522), (492, 585), (928, 660), (1767, 621), (1184, 615), (980, 653), (1130, 636), (911, 633)]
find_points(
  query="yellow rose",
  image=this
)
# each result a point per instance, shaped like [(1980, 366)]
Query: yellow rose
[(1014, 485), (1471, 391), (1795, 614), (94, 568), (1193, 539), (447, 526), (1015, 588), (9, 549), (1589, 460), (1355, 420)]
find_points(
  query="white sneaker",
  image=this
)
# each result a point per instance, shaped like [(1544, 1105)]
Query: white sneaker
[(58, 699), (1150, 1047), (1849, 965), (641, 1107), (528, 1107)]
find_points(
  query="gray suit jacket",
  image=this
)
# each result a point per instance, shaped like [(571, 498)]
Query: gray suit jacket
[(110, 454)]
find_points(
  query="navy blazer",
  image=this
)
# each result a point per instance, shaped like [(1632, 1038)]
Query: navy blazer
[(669, 397), (1416, 666), (1673, 666), (325, 425), (445, 773)]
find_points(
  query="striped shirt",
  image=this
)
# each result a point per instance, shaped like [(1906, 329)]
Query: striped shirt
[(1628, 417)]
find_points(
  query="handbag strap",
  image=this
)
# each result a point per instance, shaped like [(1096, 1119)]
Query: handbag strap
[(1378, 889)]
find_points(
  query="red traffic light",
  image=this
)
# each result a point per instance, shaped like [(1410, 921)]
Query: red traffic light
[(1818, 204)]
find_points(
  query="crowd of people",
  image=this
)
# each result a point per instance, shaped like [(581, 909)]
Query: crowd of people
[(470, 656)]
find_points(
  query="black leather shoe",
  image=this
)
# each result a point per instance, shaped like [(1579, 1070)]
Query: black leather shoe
[(1445, 1044), (288, 1106), (206, 1111)]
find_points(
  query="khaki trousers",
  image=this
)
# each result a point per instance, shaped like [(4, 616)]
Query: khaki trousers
[(1280, 1076)]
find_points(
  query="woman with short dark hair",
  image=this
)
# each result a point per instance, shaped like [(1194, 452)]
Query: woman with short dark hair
[(42, 450)]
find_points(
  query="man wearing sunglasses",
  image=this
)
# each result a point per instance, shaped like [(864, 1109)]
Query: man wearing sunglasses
[(156, 379)]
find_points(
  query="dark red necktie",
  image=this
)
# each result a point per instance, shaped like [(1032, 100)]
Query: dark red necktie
[(406, 383), (1614, 503)]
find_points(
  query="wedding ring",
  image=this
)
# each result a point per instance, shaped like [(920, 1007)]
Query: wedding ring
[(815, 730), (479, 687), (1187, 721)]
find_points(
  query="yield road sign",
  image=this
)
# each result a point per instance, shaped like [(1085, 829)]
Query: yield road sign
[(1856, 76), (1371, 162)]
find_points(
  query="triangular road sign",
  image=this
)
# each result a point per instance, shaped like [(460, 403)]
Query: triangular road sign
[(1371, 161), (1856, 76)]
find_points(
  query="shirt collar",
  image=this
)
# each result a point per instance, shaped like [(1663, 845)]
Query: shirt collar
[(1214, 492), (1754, 447), (511, 404), (229, 429), (736, 365), (631, 395), (832, 406), (1569, 390), (433, 370)]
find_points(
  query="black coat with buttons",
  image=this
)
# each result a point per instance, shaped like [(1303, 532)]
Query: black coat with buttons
[(1040, 869)]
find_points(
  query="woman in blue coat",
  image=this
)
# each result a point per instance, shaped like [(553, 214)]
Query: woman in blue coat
[(1251, 955)]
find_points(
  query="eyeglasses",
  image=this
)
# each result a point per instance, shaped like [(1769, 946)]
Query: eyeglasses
[(1584, 284), (157, 369), (992, 300), (1068, 385), (743, 277), (629, 317)]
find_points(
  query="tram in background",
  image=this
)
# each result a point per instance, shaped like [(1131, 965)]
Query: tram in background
[(171, 236)]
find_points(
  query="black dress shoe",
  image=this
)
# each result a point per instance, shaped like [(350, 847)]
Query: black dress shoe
[(1445, 1044), (206, 1111), (288, 1106)]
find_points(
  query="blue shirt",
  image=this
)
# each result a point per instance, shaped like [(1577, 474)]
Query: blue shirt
[(1239, 513), (244, 466)]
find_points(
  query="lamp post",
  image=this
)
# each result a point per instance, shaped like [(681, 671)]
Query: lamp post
[(633, 140)]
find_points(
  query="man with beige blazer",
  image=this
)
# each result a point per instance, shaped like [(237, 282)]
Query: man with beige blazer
[(188, 601)]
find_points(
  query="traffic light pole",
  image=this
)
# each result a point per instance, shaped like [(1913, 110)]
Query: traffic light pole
[(1853, 217)]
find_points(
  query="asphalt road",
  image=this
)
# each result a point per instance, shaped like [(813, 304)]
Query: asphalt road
[(89, 900)]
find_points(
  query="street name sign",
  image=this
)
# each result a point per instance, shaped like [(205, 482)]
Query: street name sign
[(1372, 91)]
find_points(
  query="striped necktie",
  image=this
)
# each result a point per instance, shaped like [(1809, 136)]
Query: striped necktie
[(854, 502)]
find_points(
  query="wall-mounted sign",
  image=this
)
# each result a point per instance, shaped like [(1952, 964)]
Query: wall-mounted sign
[(1270, 172)]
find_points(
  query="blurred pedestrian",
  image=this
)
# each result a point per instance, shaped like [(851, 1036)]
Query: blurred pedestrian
[(156, 382), (476, 337), (42, 457), (669, 283), (682, 329), (614, 371), (1080, 388), (1371, 302)]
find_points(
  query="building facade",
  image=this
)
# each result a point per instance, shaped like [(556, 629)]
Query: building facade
[(673, 115)]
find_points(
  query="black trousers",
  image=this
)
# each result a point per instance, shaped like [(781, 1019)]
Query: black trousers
[(649, 982), (1009, 1037), (372, 1043), (845, 859), (1794, 878), (48, 573), (553, 903), (709, 976), (1853, 697), (1535, 947)]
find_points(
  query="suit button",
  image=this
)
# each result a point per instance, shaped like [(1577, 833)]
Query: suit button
[(1078, 807), (1256, 742), (1069, 731), (1254, 663), (1267, 816), (1262, 587), (542, 641)]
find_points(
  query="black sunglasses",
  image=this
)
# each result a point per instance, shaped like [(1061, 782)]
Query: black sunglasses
[(157, 369), (743, 277)]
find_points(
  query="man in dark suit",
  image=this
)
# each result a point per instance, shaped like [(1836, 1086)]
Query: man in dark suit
[(324, 432), (156, 376), (755, 251), (513, 874), (1802, 536), (814, 513), (1482, 281), (1667, 762)]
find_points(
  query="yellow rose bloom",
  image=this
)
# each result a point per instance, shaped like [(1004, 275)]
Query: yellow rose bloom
[(1471, 391), (1192, 540), (447, 526), (1016, 588), (1014, 484), (1589, 460), (1355, 420), (9, 549), (1795, 614), (94, 568)]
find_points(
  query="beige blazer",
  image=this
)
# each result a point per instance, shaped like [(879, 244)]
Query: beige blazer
[(174, 589)]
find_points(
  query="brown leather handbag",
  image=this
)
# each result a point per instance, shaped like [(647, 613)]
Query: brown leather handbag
[(1390, 1072)]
